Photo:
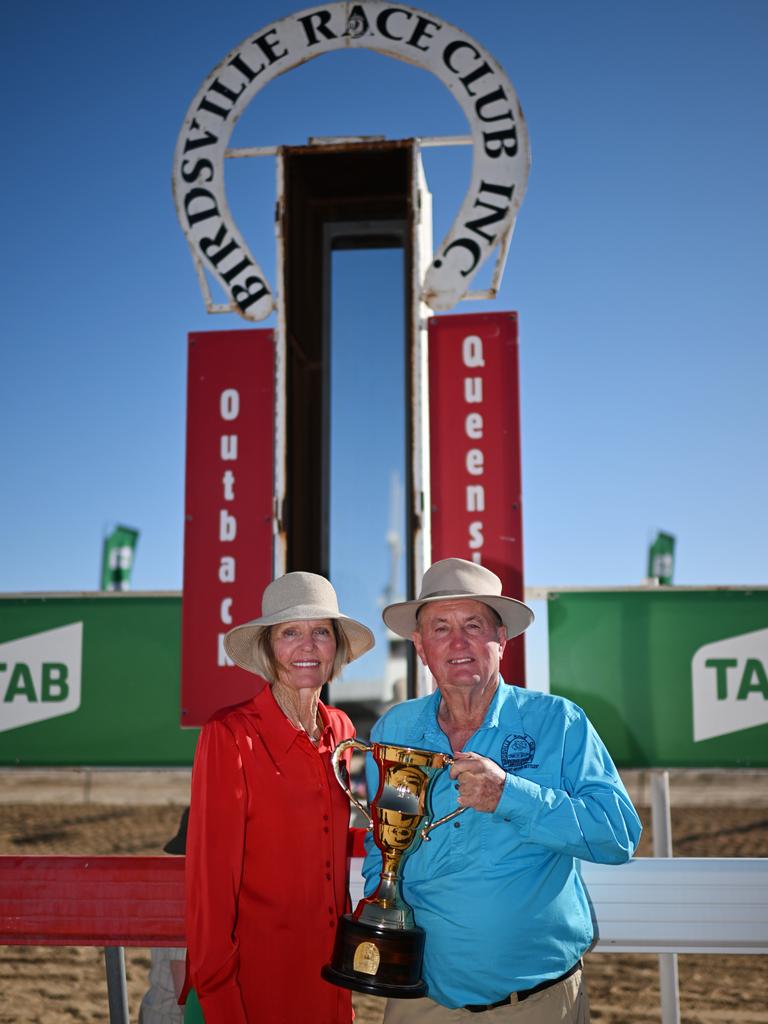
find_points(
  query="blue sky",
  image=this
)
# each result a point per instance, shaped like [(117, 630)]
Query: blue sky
[(638, 269)]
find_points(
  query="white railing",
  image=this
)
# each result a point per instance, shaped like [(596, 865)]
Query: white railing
[(671, 904)]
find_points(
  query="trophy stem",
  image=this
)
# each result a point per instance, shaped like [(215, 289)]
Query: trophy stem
[(385, 908)]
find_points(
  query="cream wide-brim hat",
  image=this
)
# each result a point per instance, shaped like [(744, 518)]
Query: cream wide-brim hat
[(454, 579), (295, 597)]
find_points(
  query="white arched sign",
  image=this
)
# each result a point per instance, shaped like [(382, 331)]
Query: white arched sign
[(482, 89)]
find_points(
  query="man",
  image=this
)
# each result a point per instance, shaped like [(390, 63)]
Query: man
[(497, 889)]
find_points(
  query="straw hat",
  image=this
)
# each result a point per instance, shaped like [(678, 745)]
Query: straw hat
[(453, 579), (295, 597)]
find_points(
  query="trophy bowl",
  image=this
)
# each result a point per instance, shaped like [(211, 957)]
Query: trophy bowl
[(379, 948)]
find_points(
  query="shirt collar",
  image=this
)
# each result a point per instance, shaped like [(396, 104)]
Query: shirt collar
[(277, 733), (427, 725), (504, 703), (504, 699), (328, 738)]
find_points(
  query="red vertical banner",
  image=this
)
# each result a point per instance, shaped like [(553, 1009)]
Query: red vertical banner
[(228, 510), (474, 422)]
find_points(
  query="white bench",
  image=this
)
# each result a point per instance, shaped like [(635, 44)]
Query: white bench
[(671, 904), (680, 905)]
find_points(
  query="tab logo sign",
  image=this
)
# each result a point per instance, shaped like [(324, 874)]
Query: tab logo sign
[(40, 676), (730, 685)]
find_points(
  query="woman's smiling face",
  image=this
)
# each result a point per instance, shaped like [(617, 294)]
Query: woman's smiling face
[(304, 652)]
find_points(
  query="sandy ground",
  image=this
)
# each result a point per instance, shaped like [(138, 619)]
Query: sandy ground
[(67, 985)]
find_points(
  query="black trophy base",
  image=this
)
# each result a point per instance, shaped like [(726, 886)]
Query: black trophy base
[(380, 961)]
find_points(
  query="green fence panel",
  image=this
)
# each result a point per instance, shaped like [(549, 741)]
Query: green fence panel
[(91, 679), (670, 677)]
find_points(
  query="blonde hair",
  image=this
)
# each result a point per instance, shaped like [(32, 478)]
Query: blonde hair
[(264, 646)]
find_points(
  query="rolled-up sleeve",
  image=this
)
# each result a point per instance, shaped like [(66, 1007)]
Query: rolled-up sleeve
[(214, 864)]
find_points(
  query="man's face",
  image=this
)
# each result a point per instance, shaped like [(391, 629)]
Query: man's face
[(460, 642)]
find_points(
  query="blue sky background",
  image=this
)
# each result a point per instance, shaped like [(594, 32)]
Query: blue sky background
[(638, 268)]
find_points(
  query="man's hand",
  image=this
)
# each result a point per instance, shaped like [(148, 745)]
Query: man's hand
[(480, 780)]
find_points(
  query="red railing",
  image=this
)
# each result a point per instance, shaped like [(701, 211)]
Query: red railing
[(92, 901), (99, 901)]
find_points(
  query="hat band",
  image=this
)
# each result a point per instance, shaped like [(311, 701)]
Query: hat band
[(453, 593)]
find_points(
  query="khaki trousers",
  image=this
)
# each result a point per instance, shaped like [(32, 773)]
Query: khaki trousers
[(564, 1003)]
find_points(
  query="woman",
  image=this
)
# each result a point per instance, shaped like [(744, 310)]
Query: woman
[(267, 838)]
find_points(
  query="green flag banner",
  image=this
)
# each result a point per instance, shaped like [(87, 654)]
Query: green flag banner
[(661, 558), (117, 558)]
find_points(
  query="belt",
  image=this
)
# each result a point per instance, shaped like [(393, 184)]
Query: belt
[(520, 996)]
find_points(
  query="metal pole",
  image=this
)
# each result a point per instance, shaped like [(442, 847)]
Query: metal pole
[(419, 537), (117, 993), (661, 826)]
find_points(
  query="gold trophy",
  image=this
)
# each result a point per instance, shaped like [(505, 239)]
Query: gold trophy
[(379, 948)]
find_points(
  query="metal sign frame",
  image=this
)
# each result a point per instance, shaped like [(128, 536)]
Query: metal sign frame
[(482, 89)]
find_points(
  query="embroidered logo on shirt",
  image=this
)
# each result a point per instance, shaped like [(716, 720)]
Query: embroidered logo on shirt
[(517, 752)]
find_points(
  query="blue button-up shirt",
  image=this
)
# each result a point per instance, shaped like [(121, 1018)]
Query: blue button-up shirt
[(499, 894)]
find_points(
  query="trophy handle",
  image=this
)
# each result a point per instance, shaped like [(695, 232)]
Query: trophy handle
[(335, 759), (433, 824), (448, 817)]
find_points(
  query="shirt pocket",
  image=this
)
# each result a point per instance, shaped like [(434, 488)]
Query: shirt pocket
[(547, 780)]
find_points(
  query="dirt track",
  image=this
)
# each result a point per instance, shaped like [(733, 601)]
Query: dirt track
[(67, 985)]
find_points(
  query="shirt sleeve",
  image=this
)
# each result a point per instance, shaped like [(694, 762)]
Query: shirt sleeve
[(214, 861), (590, 816)]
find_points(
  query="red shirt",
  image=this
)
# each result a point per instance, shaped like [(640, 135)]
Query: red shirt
[(266, 867)]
